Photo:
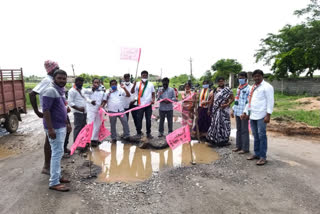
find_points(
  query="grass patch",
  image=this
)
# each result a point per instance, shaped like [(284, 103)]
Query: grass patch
[(285, 109), (311, 118)]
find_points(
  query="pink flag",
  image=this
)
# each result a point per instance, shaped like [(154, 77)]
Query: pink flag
[(83, 138), (179, 137), (177, 106), (130, 54), (103, 132)]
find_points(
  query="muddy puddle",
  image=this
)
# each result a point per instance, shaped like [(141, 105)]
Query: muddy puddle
[(129, 163), (4, 153)]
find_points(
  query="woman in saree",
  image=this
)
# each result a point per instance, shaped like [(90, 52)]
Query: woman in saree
[(188, 106), (220, 128)]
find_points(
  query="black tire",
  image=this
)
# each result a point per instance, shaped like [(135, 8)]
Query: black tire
[(12, 123)]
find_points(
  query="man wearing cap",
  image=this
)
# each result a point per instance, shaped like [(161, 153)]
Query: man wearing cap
[(50, 67)]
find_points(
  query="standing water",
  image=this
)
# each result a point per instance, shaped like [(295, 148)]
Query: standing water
[(129, 163)]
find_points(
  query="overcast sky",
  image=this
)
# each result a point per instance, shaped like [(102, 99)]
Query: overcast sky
[(89, 34)]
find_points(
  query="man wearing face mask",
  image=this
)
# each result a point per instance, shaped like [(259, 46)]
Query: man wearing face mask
[(95, 98), (130, 102), (146, 95), (77, 102), (56, 124), (166, 107), (114, 99), (204, 120), (242, 137)]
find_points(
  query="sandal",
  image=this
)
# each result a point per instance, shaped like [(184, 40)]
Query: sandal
[(64, 180), (60, 188), (253, 157), (261, 162), (236, 150), (243, 152)]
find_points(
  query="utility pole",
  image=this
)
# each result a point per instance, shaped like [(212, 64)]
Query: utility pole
[(74, 74)]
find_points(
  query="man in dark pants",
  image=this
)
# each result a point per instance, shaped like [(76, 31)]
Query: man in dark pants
[(129, 102), (241, 100), (166, 107), (77, 102), (50, 67), (146, 95)]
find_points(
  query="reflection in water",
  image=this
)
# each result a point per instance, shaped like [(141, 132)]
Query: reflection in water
[(129, 163)]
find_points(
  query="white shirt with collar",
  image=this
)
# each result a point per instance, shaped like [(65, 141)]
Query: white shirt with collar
[(77, 99), (42, 86), (115, 100), (97, 96), (147, 96), (262, 101), (128, 100)]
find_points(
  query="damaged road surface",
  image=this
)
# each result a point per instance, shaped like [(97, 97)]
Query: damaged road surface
[(227, 183)]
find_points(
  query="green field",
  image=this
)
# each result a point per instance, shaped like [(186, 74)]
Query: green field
[(285, 107)]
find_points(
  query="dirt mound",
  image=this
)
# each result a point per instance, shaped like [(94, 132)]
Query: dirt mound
[(309, 103), (287, 126)]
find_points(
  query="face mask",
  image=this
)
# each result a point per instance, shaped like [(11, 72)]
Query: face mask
[(205, 86), (144, 79), (114, 88), (79, 86), (127, 83), (242, 81)]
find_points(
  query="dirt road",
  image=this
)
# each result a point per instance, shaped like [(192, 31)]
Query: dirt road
[(289, 183)]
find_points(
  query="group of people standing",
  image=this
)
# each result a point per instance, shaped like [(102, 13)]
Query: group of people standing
[(210, 109)]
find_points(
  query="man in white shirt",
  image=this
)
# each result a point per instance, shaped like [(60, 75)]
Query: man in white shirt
[(130, 102), (146, 95), (115, 99), (95, 98), (50, 67), (77, 101), (259, 109)]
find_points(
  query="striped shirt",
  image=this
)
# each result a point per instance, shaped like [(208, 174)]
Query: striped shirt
[(239, 107)]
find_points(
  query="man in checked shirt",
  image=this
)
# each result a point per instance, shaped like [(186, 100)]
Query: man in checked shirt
[(242, 137)]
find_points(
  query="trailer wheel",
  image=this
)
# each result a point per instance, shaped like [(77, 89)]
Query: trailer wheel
[(12, 123)]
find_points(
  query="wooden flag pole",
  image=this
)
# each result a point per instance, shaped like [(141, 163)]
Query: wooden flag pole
[(137, 70), (138, 64), (192, 160), (90, 161)]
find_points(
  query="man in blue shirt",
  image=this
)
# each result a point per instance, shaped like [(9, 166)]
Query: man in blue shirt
[(166, 107), (242, 137)]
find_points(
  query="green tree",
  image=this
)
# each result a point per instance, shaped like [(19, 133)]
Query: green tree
[(295, 49), (224, 67), (87, 78), (207, 76)]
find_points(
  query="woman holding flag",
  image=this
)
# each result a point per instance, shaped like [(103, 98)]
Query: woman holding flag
[(188, 106)]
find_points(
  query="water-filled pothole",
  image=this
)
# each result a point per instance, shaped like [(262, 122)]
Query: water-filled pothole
[(129, 163)]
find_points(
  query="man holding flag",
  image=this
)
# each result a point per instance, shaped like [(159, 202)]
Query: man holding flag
[(146, 97)]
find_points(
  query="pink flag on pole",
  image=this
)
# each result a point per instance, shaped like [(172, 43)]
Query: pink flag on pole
[(130, 54), (179, 137), (103, 132), (83, 138)]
